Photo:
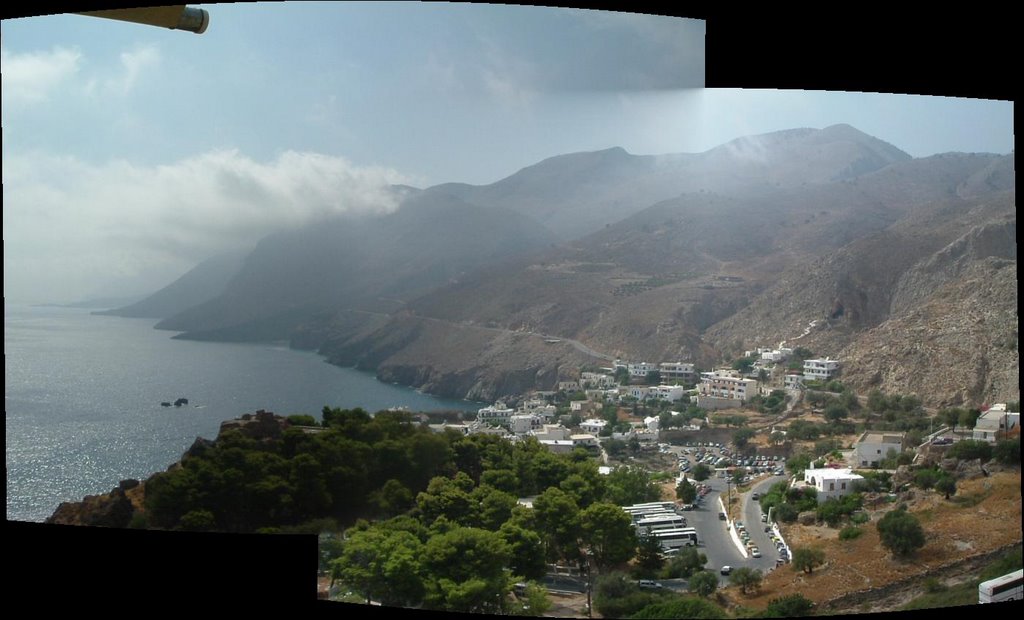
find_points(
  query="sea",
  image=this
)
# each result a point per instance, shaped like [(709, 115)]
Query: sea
[(83, 393)]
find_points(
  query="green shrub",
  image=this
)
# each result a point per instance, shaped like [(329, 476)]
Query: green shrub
[(850, 532)]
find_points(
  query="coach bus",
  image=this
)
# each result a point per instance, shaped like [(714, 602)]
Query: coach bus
[(1005, 588), (674, 539)]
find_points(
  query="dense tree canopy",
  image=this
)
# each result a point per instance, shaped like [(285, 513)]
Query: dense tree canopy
[(901, 533)]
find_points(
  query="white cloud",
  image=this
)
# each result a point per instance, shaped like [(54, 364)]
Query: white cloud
[(31, 77), (122, 80), (69, 224)]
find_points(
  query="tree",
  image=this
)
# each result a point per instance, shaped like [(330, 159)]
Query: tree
[(836, 412), (681, 607), (876, 401), (622, 375), (704, 583), (970, 449), (743, 364), (526, 549), (789, 606), (654, 377), (631, 485), (383, 565), (1007, 451), (608, 531), (701, 472), (738, 475), (467, 571), (969, 417), (807, 559), (684, 564), (743, 436), (901, 533), (946, 484), (786, 513), (558, 521), (535, 601), (686, 492), (746, 578), (648, 556)]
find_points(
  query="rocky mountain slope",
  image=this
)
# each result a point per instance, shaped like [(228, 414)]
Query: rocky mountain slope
[(580, 193), (370, 263), (202, 283), (703, 276), (828, 238)]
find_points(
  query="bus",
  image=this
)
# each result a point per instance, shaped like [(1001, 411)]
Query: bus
[(1005, 588), (638, 516), (674, 539), (663, 522)]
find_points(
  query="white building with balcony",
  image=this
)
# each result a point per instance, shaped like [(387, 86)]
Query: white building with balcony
[(593, 426), (820, 369), (722, 384)]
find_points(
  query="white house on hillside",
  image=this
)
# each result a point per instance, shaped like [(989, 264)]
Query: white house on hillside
[(593, 426), (724, 384), (996, 419), (872, 447), (831, 483), (820, 369)]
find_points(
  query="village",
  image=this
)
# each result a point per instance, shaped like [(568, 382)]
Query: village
[(736, 434)]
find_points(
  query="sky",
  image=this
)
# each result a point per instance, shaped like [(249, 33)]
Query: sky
[(131, 153)]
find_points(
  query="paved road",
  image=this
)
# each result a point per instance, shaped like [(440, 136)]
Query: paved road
[(751, 512), (716, 541)]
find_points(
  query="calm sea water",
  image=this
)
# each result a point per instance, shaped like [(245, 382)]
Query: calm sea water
[(82, 398)]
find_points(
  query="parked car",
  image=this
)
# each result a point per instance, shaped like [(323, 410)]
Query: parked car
[(726, 570), (650, 584), (755, 496), (722, 517), (754, 551)]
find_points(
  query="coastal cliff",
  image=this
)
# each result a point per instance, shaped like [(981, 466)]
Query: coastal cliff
[(124, 505)]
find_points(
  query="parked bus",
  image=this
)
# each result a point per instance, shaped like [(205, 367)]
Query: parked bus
[(1005, 588), (674, 539), (665, 522), (639, 516)]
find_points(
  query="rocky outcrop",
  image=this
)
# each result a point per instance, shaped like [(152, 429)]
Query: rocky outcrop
[(113, 509), (123, 503)]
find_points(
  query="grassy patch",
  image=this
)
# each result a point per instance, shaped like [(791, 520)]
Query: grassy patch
[(969, 500), (962, 594)]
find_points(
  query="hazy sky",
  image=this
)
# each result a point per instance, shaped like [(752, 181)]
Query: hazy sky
[(131, 152)]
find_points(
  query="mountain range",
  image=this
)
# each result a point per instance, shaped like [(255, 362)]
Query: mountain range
[(903, 268)]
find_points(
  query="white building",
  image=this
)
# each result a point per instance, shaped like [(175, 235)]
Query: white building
[(557, 446), (551, 432), (820, 369), (872, 447), (538, 406), (831, 483), (996, 420), (583, 440), (723, 384), (636, 369), (497, 413), (677, 371), (568, 386), (593, 426), (524, 423), (597, 380), (793, 380), (652, 423)]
